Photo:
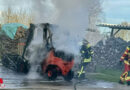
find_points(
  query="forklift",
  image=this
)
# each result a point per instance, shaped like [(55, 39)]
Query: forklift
[(56, 63)]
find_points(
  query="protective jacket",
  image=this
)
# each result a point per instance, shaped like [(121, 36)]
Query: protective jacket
[(86, 53), (126, 59)]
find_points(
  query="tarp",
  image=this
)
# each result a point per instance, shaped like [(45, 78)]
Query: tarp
[(10, 29), (0, 32)]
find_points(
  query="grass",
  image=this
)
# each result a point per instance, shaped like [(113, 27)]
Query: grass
[(106, 75)]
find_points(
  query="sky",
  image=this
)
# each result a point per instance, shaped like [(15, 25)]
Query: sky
[(116, 11)]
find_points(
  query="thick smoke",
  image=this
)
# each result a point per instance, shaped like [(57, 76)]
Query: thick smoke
[(16, 5), (75, 16), (37, 51), (44, 11), (72, 18), (69, 19)]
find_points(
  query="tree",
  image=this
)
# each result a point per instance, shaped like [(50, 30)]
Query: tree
[(21, 16)]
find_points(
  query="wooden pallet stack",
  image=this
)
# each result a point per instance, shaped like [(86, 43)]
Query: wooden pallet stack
[(15, 45), (21, 36)]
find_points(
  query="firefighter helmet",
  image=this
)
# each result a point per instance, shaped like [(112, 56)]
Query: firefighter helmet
[(85, 41)]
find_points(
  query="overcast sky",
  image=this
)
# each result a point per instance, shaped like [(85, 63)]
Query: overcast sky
[(116, 11)]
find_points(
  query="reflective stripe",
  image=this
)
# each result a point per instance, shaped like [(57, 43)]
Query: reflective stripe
[(122, 79), (92, 52), (87, 60), (82, 52), (127, 78), (129, 54), (126, 62), (81, 71), (128, 48), (126, 52), (123, 76), (88, 46)]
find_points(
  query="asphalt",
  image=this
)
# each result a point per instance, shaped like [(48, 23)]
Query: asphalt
[(14, 81)]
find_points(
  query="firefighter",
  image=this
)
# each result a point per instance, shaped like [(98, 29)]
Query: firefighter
[(126, 74), (86, 56)]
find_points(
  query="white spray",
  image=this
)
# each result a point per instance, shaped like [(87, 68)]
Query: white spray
[(72, 18), (37, 51)]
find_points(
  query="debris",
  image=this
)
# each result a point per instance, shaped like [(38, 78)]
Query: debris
[(107, 54)]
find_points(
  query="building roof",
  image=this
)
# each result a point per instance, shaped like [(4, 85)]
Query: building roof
[(115, 26)]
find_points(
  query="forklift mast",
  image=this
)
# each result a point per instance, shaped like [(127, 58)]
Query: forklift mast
[(47, 36)]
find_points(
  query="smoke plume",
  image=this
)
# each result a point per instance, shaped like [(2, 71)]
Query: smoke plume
[(69, 19), (72, 18), (75, 16)]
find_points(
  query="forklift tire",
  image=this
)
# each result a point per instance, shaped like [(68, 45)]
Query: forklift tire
[(128, 83), (52, 74), (69, 76)]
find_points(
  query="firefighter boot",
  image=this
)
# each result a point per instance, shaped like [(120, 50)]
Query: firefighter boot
[(81, 73), (121, 82)]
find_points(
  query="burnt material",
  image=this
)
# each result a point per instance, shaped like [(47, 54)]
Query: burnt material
[(15, 63), (107, 54), (64, 56)]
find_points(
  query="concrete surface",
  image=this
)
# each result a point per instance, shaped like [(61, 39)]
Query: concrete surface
[(14, 81)]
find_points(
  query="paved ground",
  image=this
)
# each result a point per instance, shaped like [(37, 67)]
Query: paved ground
[(27, 82)]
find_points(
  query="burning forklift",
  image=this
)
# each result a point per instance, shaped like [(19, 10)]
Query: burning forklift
[(56, 63)]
